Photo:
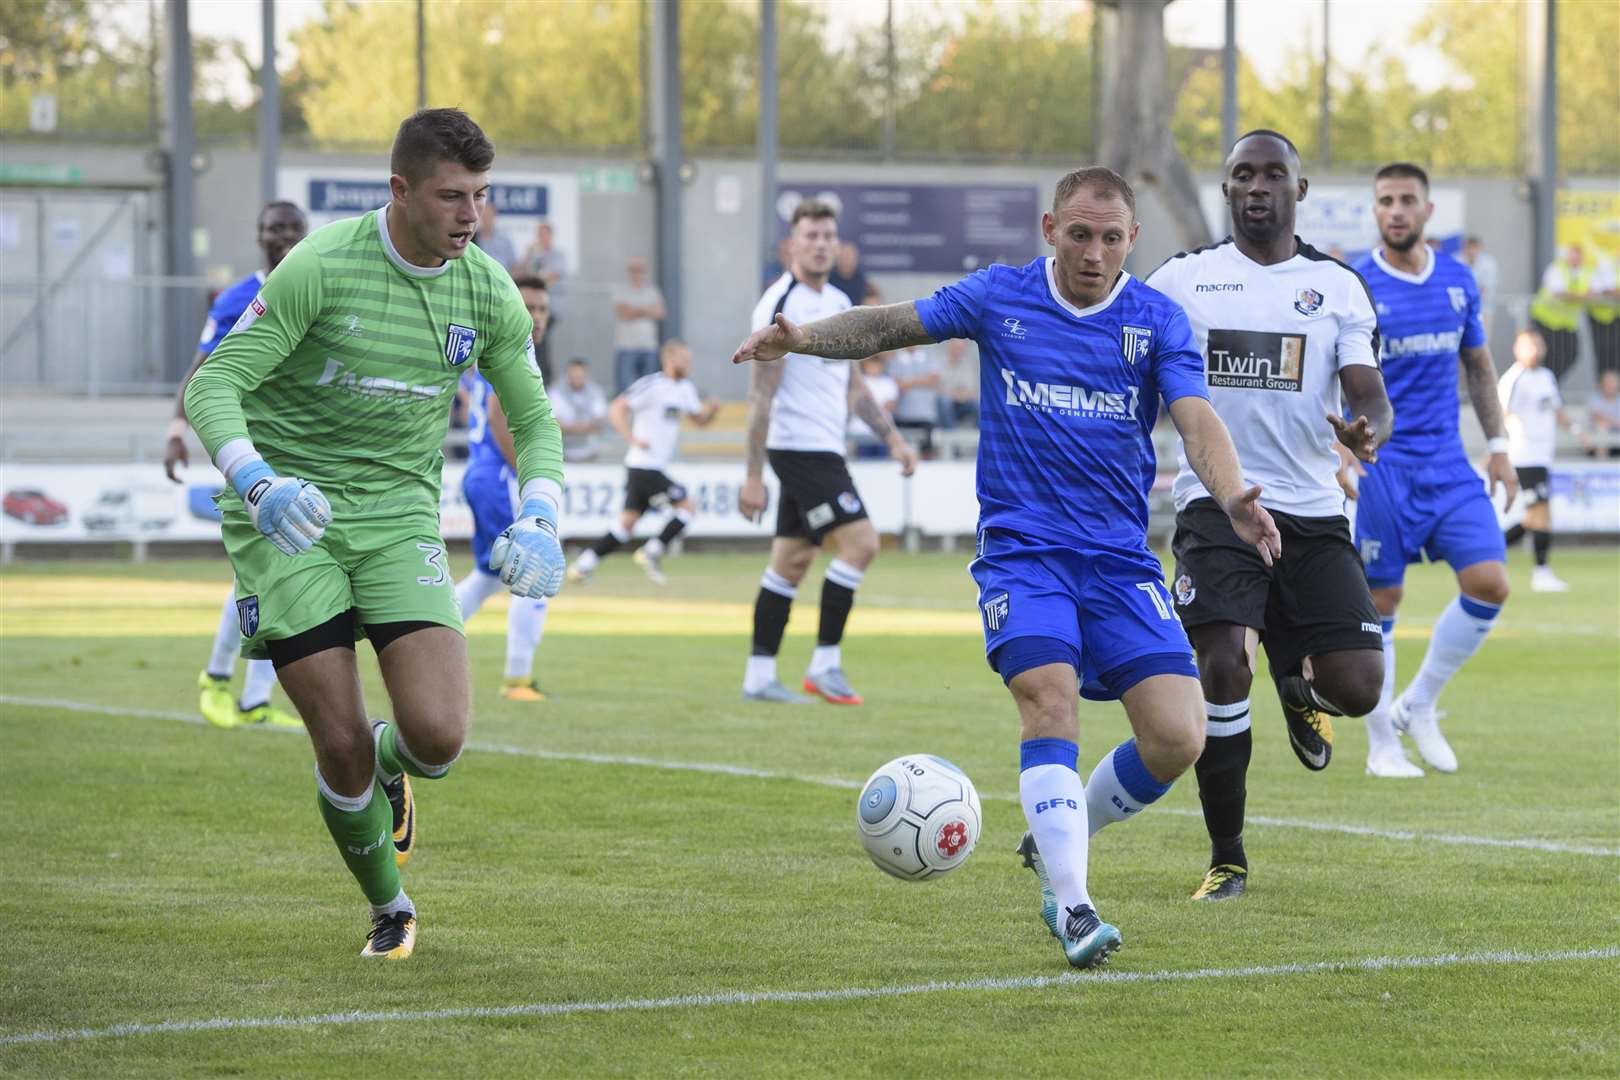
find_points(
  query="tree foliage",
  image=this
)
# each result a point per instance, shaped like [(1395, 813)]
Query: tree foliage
[(976, 79)]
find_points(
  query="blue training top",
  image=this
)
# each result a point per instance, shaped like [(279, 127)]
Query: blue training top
[(228, 307), (1068, 398), (483, 452), (1425, 321)]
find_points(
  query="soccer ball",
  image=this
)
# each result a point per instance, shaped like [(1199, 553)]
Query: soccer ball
[(918, 816)]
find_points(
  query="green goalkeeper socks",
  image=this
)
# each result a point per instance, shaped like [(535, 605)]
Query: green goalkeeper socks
[(363, 828)]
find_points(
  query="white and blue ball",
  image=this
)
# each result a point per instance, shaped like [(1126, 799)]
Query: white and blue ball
[(918, 817)]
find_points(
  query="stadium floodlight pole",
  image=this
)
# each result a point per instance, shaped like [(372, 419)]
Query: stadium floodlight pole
[(1542, 148), (421, 54), (269, 106), (767, 132), (180, 191), (1229, 83), (1325, 135), (667, 119)]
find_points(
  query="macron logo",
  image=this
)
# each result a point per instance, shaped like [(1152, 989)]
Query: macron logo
[(1220, 286), (1074, 400)]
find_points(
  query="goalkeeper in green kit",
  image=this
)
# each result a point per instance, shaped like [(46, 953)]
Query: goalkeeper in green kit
[(325, 408)]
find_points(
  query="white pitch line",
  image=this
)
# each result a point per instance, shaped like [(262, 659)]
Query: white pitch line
[(800, 997), (721, 769)]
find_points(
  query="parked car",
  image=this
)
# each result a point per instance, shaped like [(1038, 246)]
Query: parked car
[(139, 509), (34, 507)]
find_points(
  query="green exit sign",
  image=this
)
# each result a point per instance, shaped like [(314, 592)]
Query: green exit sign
[(607, 181)]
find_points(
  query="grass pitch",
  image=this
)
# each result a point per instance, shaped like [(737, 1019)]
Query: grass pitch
[(589, 908)]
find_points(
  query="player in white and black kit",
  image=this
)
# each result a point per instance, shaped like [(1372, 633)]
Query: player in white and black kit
[(648, 416), (1283, 328), (1534, 411), (798, 414)]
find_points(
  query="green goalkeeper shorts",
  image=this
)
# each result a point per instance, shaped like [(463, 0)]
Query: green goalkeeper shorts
[(387, 567)]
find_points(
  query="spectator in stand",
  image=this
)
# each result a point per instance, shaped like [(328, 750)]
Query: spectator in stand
[(847, 274), (885, 392), (638, 307), (1605, 410), (917, 374), (1556, 309), (1486, 276), (1603, 313), (959, 385), (498, 247), (548, 262), (581, 410)]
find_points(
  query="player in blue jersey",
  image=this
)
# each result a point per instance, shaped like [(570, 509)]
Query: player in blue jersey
[(1423, 498), (1075, 357), (490, 488), (281, 226)]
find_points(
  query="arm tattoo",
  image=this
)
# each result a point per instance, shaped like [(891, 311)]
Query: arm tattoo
[(762, 384), (1482, 390), (865, 406), (862, 331)]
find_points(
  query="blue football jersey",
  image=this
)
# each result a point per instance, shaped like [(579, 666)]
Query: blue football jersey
[(1425, 321), (1068, 398), (483, 452), (228, 307)]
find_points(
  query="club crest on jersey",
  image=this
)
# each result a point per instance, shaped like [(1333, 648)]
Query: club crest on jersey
[(1459, 298), (247, 615), (458, 344), (1308, 301), (996, 611), (1186, 593), (1135, 342)]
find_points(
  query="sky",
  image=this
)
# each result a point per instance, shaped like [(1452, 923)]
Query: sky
[(1262, 26)]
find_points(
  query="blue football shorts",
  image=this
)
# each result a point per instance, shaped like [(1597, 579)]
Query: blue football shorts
[(1439, 511), (1110, 608), (491, 495)]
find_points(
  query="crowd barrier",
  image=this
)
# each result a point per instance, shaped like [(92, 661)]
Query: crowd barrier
[(133, 502)]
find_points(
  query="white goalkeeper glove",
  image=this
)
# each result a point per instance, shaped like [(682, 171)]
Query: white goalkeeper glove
[(291, 513), (527, 556)]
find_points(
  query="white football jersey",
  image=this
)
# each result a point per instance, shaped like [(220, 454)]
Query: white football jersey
[(811, 407), (1274, 339), (657, 403), (1531, 400)]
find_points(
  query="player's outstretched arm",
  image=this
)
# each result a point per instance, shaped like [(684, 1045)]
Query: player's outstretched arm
[(850, 335), (1213, 457), (1482, 391), (1374, 421)]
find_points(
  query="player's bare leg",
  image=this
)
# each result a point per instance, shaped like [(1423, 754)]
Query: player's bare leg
[(1054, 801), (1458, 633), (325, 689), (857, 545), (790, 561)]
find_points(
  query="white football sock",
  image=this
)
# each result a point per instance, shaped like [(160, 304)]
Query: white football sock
[(759, 674), (654, 547), (1458, 633), (525, 623), (1120, 787), (587, 561), (227, 641), (1055, 807), (261, 679), (1381, 737), (474, 589), (825, 658)]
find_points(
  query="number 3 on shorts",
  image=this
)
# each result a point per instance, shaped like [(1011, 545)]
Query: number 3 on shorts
[(1152, 589), (433, 555)]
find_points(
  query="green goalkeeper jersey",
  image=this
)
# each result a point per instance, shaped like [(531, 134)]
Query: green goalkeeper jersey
[(343, 368)]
